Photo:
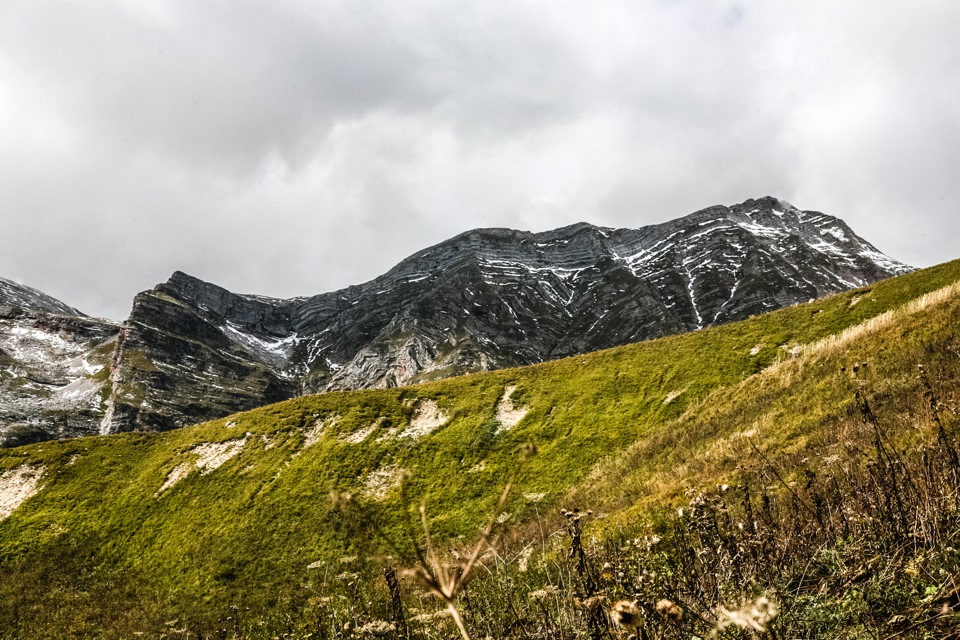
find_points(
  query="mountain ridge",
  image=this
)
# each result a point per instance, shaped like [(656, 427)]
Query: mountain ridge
[(485, 299), (492, 298), (15, 295)]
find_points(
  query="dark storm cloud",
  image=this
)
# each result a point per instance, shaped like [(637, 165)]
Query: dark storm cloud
[(289, 148)]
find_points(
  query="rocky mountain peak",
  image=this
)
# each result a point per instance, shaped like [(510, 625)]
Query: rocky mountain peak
[(484, 299), (269, 316)]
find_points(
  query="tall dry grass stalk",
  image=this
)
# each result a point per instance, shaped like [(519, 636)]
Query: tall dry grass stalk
[(446, 580)]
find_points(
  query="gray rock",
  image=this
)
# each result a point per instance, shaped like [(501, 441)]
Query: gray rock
[(15, 296), (486, 299), (53, 370)]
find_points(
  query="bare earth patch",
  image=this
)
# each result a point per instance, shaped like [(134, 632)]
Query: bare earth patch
[(314, 433), (379, 483), (673, 395), (17, 485), (179, 472), (427, 417), (509, 415), (359, 436), (212, 455), (209, 456)]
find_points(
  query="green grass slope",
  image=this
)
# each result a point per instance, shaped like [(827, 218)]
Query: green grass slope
[(128, 532)]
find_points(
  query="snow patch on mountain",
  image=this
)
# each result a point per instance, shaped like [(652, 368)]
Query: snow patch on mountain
[(272, 350)]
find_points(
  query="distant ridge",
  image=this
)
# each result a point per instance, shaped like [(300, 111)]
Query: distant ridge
[(23, 297), (485, 299), (53, 366)]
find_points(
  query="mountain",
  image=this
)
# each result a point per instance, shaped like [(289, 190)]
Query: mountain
[(22, 297), (225, 529), (53, 366), (486, 299)]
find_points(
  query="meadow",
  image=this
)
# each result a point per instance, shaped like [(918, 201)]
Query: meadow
[(814, 464)]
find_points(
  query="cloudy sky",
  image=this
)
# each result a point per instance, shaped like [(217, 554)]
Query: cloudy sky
[(291, 147)]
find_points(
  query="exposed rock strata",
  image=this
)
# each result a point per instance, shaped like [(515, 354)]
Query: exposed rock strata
[(53, 367), (486, 299)]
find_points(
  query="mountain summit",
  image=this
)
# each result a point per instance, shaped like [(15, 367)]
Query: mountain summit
[(486, 299), (13, 295)]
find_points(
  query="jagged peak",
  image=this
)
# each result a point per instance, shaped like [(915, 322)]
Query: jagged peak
[(766, 202), (473, 245), (191, 288), (182, 279), (488, 297)]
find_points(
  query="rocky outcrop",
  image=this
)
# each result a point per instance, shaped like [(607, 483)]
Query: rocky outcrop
[(53, 367), (192, 351), (486, 299)]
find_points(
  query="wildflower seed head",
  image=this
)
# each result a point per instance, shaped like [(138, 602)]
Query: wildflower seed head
[(376, 628), (542, 594), (626, 614), (753, 616), (670, 610)]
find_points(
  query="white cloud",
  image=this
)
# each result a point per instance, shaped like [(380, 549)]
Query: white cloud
[(292, 148)]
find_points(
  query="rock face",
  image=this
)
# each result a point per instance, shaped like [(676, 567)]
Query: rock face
[(22, 297), (53, 367), (486, 299)]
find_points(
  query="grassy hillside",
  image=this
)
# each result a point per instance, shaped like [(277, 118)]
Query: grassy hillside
[(129, 532)]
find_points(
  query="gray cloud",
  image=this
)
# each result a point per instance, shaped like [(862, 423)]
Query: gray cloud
[(297, 147)]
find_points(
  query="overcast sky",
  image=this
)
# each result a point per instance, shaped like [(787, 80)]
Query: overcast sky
[(287, 147)]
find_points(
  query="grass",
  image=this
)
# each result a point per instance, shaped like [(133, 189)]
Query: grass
[(625, 431)]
